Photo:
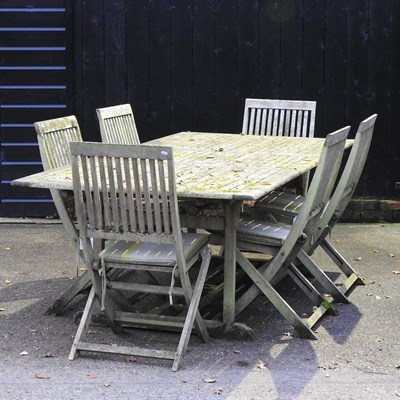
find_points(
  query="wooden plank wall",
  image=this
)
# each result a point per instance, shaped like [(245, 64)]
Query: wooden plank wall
[(190, 64)]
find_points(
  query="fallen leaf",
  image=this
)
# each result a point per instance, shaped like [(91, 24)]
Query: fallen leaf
[(39, 375), (218, 390), (209, 380), (261, 365), (23, 353), (357, 258), (325, 367)]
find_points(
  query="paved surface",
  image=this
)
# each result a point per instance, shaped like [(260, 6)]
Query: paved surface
[(356, 356)]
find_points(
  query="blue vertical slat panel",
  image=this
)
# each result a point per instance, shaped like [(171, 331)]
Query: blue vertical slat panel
[(33, 87)]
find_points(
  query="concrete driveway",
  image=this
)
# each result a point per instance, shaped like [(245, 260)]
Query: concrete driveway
[(356, 356)]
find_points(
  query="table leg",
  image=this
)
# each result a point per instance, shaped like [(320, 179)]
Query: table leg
[(232, 211)]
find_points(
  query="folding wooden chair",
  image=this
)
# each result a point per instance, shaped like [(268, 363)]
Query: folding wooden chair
[(53, 137), (269, 117), (117, 125), (285, 207), (284, 242), (126, 195)]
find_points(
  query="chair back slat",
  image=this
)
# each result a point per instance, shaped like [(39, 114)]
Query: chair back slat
[(117, 125), (164, 199), (126, 192), (141, 217), (279, 117), (146, 195)]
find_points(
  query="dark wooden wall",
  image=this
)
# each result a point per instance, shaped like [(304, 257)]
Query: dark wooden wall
[(189, 65)]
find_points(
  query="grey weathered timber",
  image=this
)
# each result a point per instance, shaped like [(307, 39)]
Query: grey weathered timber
[(126, 196), (285, 242), (279, 117), (117, 124), (53, 137), (285, 206), (273, 117), (224, 169), (220, 166)]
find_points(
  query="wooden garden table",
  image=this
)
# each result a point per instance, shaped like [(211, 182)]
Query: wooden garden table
[(223, 168)]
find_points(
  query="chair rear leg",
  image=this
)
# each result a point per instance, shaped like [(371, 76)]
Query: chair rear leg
[(305, 285), (321, 277), (340, 261)]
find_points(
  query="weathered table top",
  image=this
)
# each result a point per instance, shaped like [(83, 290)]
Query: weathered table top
[(219, 165)]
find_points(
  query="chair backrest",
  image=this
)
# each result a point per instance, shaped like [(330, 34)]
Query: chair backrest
[(126, 193), (279, 117), (53, 137), (117, 125), (350, 175), (317, 197)]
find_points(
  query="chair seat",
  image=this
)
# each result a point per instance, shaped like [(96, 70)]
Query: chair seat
[(281, 202), (257, 231), (129, 252)]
